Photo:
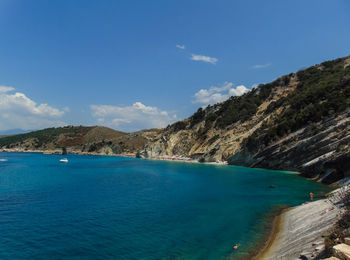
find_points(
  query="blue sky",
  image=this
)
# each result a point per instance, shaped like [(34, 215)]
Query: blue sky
[(141, 64)]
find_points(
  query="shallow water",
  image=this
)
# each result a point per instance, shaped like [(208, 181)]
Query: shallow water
[(97, 207)]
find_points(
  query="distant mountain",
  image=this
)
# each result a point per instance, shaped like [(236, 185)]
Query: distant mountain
[(300, 121)]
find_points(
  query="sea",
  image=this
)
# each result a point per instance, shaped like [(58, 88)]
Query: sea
[(108, 207)]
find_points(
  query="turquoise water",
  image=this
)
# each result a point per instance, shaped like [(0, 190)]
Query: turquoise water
[(122, 208)]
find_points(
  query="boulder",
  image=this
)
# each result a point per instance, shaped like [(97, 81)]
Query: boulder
[(342, 251)]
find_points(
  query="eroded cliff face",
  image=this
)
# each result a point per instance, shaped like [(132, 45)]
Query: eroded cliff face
[(320, 150), (299, 122)]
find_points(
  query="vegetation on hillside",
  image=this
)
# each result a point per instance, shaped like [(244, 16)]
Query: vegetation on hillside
[(46, 135), (235, 109), (78, 138), (322, 90), (241, 108)]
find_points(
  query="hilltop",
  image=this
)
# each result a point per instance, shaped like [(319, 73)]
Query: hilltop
[(300, 121), (76, 139)]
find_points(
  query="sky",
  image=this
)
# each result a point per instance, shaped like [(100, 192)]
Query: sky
[(135, 64)]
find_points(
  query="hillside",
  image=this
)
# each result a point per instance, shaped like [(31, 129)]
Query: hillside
[(75, 139), (300, 121)]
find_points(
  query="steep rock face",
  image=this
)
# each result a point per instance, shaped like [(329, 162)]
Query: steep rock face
[(319, 150)]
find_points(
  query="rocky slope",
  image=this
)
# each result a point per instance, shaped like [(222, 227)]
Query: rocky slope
[(301, 231), (300, 122)]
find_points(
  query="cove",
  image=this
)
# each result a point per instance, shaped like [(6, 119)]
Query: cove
[(100, 207)]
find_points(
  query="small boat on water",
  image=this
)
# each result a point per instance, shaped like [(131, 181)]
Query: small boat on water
[(65, 160), (3, 160)]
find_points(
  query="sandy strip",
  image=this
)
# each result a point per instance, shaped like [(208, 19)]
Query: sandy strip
[(299, 231), (275, 230)]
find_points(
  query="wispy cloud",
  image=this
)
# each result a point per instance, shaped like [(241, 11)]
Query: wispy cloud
[(132, 118), (19, 111), (4, 89), (215, 94), (203, 58), (261, 66), (182, 47)]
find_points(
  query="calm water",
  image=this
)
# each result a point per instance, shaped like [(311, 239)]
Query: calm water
[(121, 208)]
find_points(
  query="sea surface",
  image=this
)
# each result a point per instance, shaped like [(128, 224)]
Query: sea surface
[(100, 207)]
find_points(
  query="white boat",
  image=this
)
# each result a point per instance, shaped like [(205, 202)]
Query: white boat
[(3, 160), (65, 160)]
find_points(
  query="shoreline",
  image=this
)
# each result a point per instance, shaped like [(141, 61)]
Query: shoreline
[(128, 155), (272, 224), (187, 161), (54, 152), (272, 236), (299, 231)]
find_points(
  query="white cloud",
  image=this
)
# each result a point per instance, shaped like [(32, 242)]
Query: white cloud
[(203, 58), (215, 94), (182, 47), (132, 118), (19, 111), (261, 66), (4, 89)]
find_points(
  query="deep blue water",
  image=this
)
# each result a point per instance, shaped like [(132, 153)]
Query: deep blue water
[(97, 207)]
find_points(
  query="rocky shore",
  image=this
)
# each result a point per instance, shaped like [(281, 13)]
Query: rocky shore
[(301, 231)]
